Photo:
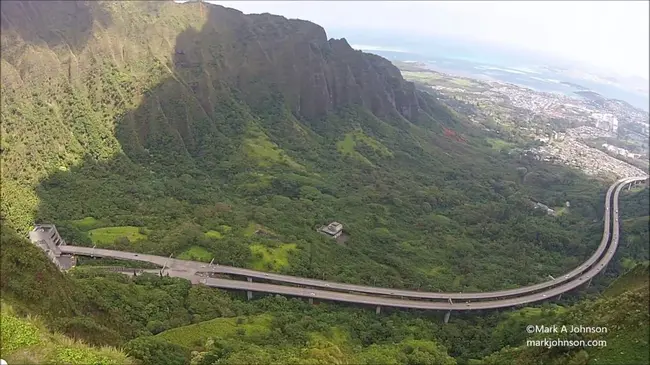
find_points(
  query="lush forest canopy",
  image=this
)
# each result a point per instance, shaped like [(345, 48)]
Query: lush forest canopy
[(162, 128)]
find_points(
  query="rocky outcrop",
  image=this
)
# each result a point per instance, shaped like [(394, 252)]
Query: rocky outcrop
[(262, 54)]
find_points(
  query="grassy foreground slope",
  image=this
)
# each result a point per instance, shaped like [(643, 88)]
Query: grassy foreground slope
[(27, 341)]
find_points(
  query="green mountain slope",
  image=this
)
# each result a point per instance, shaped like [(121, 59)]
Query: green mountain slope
[(74, 92)]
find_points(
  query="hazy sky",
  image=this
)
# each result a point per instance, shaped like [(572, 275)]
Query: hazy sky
[(611, 35)]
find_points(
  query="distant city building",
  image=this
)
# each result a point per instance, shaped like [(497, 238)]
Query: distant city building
[(605, 121), (333, 229), (558, 136)]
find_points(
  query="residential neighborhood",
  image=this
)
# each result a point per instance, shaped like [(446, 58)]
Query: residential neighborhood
[(602, 137)]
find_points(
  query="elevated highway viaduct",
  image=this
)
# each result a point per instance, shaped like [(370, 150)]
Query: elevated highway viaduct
[(320, 289)]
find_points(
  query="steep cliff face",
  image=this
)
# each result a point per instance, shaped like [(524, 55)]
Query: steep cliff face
[(258, 54)]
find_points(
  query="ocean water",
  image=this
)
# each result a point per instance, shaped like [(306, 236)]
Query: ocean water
[(474, 67), (485, 62)]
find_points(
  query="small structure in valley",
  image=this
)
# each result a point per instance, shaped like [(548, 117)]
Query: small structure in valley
[(543, 207), (334, 229)]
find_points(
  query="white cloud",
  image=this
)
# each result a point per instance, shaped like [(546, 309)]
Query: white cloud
[(609, 34)]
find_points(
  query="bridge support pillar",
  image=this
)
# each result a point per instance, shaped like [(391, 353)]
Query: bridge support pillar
[(589, 283), (559, 297), (447, 315), (311, 300), (378, 309), (249, 294)]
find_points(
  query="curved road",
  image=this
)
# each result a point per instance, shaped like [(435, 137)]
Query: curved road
[(390, 302), (576, 277)]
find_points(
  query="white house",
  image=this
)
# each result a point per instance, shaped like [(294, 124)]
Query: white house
[(333, 229)]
